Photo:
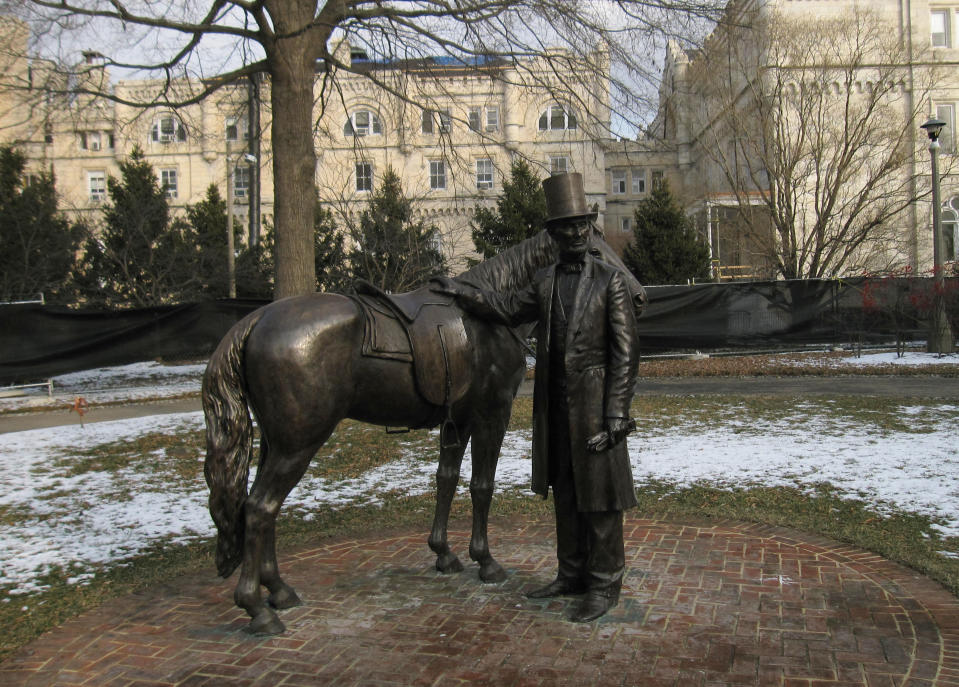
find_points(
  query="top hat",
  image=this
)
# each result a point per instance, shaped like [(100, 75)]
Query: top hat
[(565, 198)]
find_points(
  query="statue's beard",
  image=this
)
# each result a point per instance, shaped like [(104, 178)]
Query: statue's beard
[(573, 255)]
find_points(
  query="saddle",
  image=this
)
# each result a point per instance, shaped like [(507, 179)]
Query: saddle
[(420, 327)]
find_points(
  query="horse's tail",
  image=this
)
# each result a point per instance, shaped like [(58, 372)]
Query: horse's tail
[(229, 442)]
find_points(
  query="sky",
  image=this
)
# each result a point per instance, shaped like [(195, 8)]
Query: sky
[(79, 517)]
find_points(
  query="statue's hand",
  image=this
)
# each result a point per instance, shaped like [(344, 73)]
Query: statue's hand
[(445, 286), (598, 442), (616, 430)]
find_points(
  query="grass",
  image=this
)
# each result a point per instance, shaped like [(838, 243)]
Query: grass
[(820, 364), (356, 448)]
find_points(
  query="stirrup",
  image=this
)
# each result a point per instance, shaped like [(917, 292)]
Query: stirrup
[(445, 429)]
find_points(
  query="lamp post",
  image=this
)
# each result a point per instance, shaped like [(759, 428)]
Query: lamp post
[(247, 159), (940, 336)]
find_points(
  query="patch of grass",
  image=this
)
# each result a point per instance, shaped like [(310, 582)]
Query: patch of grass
[(356, 448), (783, 365), (170, 456)]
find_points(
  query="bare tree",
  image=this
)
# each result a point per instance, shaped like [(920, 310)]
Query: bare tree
[(292, 41), (809, 123)]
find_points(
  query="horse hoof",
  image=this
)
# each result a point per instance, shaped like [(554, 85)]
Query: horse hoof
[(448, 563), (284, 598), (492, 573), (267, 622)]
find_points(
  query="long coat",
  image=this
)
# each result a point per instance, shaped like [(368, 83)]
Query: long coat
[(601, 360)]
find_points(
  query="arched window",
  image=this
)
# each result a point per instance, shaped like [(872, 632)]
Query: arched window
[(167, 128), (557, 118), (362, 123), (950, 228)]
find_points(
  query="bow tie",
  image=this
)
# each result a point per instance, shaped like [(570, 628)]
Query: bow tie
[(570, 267)]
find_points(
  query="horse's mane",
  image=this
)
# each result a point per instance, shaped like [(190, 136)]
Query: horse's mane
[(514, 267)]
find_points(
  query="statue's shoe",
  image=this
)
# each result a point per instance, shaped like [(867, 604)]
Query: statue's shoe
[(595, 605), (558, 587)]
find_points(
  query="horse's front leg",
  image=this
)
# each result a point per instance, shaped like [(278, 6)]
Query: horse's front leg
[(487, 441), (447, 478)]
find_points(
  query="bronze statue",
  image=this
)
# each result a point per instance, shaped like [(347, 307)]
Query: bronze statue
[(302, 364), (586, 360)]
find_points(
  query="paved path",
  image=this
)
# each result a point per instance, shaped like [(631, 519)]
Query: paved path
[(887, 386), (704, 604)]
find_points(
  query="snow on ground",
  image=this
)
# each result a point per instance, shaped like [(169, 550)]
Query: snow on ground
[(909, 359), (133, 382), (74, 514)]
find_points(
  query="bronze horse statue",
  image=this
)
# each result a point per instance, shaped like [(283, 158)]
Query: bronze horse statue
[(304, 363)]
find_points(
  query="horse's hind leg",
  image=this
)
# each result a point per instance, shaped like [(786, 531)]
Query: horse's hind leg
[(488, 435), (447, 478), (282, 595), (276, 475)]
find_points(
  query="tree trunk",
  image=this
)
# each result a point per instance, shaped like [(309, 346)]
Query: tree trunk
[(294, 164)]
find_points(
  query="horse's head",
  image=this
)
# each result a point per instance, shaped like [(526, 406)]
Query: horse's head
[(515, 267), (601, 250)]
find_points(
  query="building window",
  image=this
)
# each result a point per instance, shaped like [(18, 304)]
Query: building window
[(168, 180), (940, 28), (364, 176), (475, 118), (235, 127), (658, 178), (618, 178), (90, 140), (950, 229), (446, 123), (437, 174), (484, 175), (492, 119), (558, 164), (436, 121), (639, 181), (947, 139), (557, 118), (241, 181), (626, 224), (167, 129), (97, 185), (363, 123)]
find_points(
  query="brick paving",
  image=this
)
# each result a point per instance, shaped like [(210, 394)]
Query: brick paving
[(704, 604)]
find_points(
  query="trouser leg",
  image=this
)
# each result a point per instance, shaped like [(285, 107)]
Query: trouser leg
[(606, 557), (571, 534)]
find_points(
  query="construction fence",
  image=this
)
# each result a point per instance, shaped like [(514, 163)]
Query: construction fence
[(40, 341)]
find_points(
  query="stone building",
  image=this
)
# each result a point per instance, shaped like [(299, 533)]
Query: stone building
[(451, 142), (451, 128), (901, 70)]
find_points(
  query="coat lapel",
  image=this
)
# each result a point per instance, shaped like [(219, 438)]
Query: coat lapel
[(546, 301), (583, 294)]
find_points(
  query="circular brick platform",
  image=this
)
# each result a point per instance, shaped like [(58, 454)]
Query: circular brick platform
[(704, 604)]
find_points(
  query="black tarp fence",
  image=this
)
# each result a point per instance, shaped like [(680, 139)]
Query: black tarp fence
[(37, 342)]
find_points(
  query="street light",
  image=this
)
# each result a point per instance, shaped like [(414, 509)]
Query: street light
[(247, 159), (940, 336)]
